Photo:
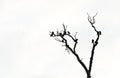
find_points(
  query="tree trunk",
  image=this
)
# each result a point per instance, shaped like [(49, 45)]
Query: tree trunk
[(88, 75)]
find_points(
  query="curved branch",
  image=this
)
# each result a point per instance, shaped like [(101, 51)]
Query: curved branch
[(62, 39), (76, 55), (73, 50)]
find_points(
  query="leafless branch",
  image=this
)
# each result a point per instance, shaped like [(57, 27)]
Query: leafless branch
[(60, 36), (94, 42), (65, 41)]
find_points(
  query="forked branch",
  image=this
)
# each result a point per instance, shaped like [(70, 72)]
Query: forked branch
[(60, 36), (62, 39)]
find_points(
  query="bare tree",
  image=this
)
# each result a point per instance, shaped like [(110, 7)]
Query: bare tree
[(60, 36)]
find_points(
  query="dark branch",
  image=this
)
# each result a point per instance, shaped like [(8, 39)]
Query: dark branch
[(60, 36), (64, 40), (94, 42)]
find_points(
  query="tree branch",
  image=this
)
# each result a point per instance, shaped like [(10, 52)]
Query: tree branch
[(64, 40), (94, 42), (76, 55), (60, 36)]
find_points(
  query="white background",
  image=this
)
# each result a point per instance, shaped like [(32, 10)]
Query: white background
[(27, 51)]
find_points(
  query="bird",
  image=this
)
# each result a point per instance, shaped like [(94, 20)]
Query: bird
[(52, 34), (64, 32), (100, 33), (76, 40), (92, 41), (68, 32)]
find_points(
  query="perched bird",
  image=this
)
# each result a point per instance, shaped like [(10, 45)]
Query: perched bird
[(92, 41), (63, 41), (52, 34), (100, 33), (60, 34), (64, 32), (68, 32), (76, 40)]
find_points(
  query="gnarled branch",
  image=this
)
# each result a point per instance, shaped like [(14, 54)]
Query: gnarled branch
[(64, 40), (60, 36)]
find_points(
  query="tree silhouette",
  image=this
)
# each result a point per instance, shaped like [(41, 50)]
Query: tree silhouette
[(60, 36)]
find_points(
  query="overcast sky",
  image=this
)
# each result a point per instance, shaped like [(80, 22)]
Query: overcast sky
[(27, 51)]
